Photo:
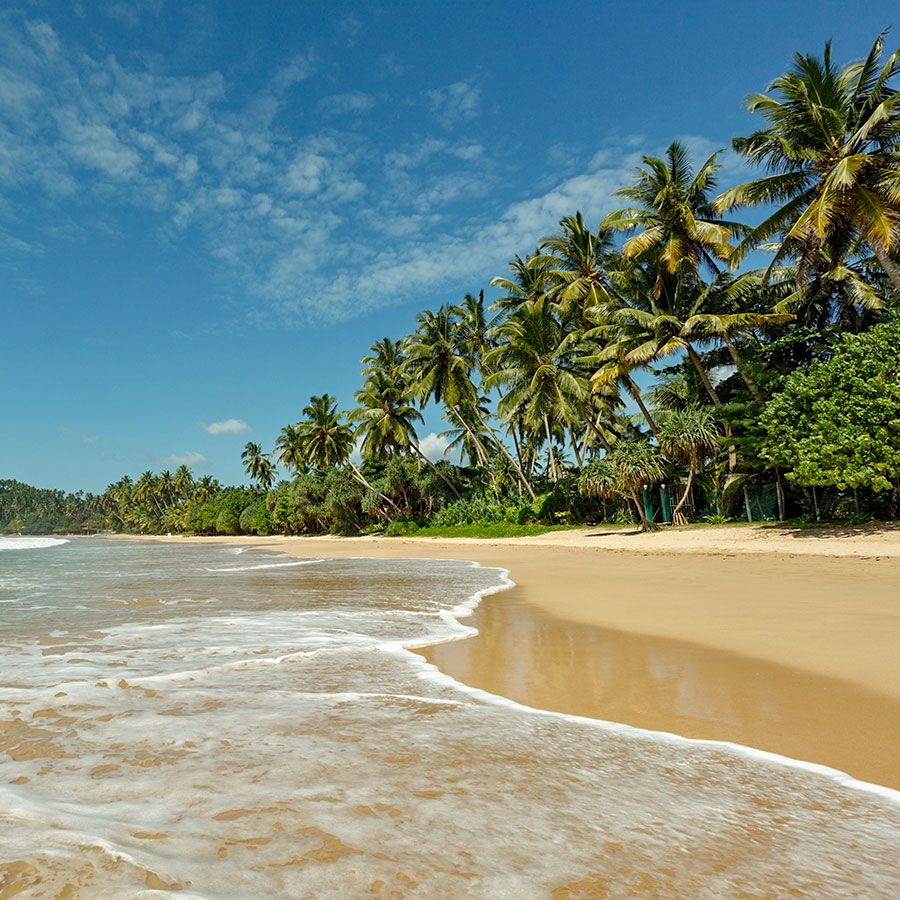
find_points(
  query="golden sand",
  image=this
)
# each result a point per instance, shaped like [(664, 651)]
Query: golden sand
[(785, 641)]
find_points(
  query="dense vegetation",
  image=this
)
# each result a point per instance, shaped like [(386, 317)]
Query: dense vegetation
[(775, 391)]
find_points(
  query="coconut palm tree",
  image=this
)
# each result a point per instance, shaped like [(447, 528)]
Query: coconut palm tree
[(674, 217), (258, 465), (289, 449), (530, 281), (327, 440), (538, 364), (577, 260), (831, 148)]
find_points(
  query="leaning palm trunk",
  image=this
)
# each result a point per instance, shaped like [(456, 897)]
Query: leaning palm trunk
[(646, 524), (678, 517), (505, 452), (751, 384), (362, 480), (439, 473), (695, 359), (886, 263), (550, 454), (482, 455), (635, 392)]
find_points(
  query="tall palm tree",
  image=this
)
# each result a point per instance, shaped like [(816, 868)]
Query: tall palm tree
[(289, 449), (328, 439), (831, 148), (538, 364), (440, 369), (258, 465), (674, 216), (577, 260), (530, 279)]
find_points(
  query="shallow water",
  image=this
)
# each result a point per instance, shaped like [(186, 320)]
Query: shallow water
[(239, 724)]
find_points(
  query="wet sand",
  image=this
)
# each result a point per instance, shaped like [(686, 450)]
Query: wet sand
[(709, 633)]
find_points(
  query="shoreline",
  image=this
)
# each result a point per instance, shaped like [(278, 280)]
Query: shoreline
[(723, 639)]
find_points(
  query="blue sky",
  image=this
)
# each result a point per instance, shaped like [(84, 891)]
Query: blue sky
[(209, 211)]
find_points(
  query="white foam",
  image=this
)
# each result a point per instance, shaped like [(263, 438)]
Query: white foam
[(284, 565), (30, 543)]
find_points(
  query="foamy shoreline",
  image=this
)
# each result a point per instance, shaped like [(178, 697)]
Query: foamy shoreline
[(828, 611)]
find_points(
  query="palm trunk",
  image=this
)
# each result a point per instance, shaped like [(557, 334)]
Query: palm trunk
[(505, 452), (751, 385), (482, 455), (578, 456), (362, 480), (695, 359), (646, 524), (633, 390), (595, 427), (678, 518), (550, 454), (887, 264), (439, 473)]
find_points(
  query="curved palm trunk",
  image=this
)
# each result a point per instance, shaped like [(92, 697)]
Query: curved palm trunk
[(578, 455), (695, 359), (505, 452), (678, 517), (887, 264), (439, 473), (362, 480), (751, 384), (595, 427), (633, 390), (482, 456), (646, 524)]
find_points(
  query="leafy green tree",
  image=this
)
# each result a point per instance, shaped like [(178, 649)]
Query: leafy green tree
[(839, 423), (258, 465)]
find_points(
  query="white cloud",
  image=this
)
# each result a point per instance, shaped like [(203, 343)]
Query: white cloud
[(226, 426), (434, 446), (455, 103), (188, 458), (340, 104)]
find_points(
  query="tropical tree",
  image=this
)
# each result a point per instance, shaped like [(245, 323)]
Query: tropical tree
[(675, 219), (689, 435), (631, 466), (258, 465), (832, 148), (289, 449)]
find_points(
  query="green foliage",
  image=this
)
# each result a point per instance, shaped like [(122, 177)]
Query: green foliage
[(839, 423)]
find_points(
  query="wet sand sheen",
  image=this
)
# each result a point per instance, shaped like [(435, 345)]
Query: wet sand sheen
[(528, 655)]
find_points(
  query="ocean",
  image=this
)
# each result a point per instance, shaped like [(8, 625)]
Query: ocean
[(230, 723)]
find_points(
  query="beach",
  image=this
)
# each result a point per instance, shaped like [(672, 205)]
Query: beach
[(776, 639), (341, 717)]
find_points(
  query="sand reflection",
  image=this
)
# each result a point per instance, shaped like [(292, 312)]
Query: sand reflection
[(525, 654)]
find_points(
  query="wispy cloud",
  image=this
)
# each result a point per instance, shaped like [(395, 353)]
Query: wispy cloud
[(341, 104), (302, 222), (226, 426), (455, 103), (188, 458)]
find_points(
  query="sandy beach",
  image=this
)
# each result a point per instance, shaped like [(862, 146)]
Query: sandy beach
[(785, 641)]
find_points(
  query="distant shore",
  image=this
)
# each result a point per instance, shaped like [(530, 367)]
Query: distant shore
[(780, 639)]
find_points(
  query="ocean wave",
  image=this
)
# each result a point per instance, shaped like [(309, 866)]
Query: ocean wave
[(283, 565), (30, 543)]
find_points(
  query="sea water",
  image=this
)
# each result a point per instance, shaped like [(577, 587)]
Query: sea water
[(235, 724)]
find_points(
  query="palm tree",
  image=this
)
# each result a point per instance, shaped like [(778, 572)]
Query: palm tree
[(258, 465), (831, 148), (577, 261), (385, 356), (689, 435), (183, 481), (328, 440), (678, 223), (440, 369), (289, 449), (530, 281), (537, 362)]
